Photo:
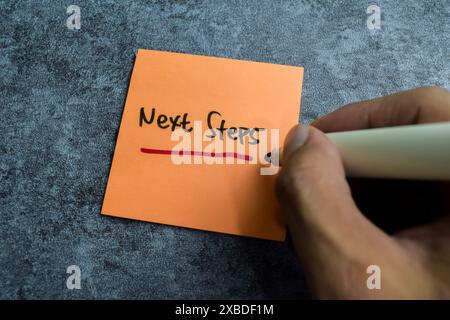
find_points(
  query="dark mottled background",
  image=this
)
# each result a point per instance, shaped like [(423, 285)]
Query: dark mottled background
[(61, 96)]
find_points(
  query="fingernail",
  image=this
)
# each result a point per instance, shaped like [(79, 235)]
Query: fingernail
[(295, 139)]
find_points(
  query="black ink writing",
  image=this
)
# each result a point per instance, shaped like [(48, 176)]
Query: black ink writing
[(216, 125), (163, 121)]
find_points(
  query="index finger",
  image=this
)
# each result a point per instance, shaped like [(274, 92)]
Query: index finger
[(422, 105)]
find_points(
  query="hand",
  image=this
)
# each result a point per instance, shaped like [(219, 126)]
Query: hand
[(335, 241)]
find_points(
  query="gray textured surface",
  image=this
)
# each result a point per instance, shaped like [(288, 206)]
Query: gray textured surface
[(61, 98)]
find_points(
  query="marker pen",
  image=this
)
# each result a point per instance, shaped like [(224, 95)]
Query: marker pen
[(405, 152)]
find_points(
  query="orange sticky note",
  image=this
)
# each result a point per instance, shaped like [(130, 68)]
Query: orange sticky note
[(239, 101)]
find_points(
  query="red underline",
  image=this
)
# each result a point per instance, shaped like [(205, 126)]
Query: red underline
[(198, 153)]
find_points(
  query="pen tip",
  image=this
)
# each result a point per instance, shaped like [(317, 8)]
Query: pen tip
[(273, 157), (268, 157)]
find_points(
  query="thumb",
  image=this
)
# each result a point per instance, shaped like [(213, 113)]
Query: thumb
[(314, 193)]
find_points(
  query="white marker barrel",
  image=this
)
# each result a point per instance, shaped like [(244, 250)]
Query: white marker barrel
[(403, 152)]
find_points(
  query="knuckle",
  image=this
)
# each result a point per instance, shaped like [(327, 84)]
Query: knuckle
[(431, 100)]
